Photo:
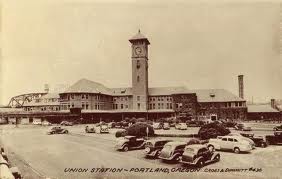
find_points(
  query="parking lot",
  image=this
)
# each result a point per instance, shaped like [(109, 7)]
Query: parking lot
[(39, 156)]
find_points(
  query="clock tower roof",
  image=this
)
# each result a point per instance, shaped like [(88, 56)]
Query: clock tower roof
[(139, 37)]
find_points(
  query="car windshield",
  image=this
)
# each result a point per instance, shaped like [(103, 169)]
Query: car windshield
[(104, 126)]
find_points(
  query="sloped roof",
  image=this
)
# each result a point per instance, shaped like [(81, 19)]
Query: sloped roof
[(50, 96), (260, 108), (166, 90), (139, 36), (87, 86), (7, 110), (121, 91), (215, 95)]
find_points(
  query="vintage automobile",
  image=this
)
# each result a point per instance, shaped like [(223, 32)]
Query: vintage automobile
[(258, 141), (172, 151), (46, 123), (166, 126), (274, 139), (278, 128), (154, 147), (198, 155), (157, 125), (57, 130), (234, 143), (104, 128), (90, 129), (129, 143), (181, 126), (242, 127), (66, 123), (244, 137)]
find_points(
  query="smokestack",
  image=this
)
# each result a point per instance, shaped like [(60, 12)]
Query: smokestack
[(241, 86), (272, 103), (46, 88)]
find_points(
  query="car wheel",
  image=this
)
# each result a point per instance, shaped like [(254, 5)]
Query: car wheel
[(217, 158), (236, 150), (263, 145), (125, 148), (211, 148), (66, 131), (177, 158), (200, 164)]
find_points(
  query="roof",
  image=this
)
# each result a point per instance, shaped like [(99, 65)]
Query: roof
[(139, 36), (259, 108), (87, 86), (50, 95), (159, 91), (215, 95), (121, 91)]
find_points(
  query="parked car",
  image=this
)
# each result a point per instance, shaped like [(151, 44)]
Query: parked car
[(198, 155), (46, 123), (157, 125), (154, 147), (104, 128), (172, 151), (277, 128), (166, 126), (274, 139), (66, 123), (90, 129), (259, 141), (181, 126), (234, 143), (111, 124), (244, 137), (130, 142), (37, 122), (242, 127), (57, 130)]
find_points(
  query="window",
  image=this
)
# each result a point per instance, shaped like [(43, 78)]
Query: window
[(86, 96), (138, 105), (138, 98), (82, 96), (154, 106), (86, 106), (159, 105), (138, 78), (126, 106), (230, 139), (224, 139), (121, 106)]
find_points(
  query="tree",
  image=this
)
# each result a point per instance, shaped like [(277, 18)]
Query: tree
[(212, 130), (139, 129)]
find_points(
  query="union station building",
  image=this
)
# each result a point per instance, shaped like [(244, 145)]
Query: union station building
[(87, 99)]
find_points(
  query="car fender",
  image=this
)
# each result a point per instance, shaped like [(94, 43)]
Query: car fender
[(198, 159), (175, 155), (214, 155)]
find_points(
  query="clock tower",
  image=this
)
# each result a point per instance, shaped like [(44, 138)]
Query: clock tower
[(139, 46)]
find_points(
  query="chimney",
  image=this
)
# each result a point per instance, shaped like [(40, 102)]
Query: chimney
[(272, 103), (46, 88), (241, 86)]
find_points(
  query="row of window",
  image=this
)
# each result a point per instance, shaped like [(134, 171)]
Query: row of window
[(42, 108), (121, 106), (160, 98), (121, 98), (160, 106)]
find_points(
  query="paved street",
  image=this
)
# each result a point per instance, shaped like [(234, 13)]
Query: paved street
[(50, 155)]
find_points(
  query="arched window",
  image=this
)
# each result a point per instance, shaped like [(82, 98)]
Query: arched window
[(138, 78)]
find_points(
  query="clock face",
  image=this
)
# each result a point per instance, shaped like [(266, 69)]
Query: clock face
[(138, 50)]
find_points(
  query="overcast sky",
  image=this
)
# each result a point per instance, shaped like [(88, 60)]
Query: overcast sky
[(196, 44)]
